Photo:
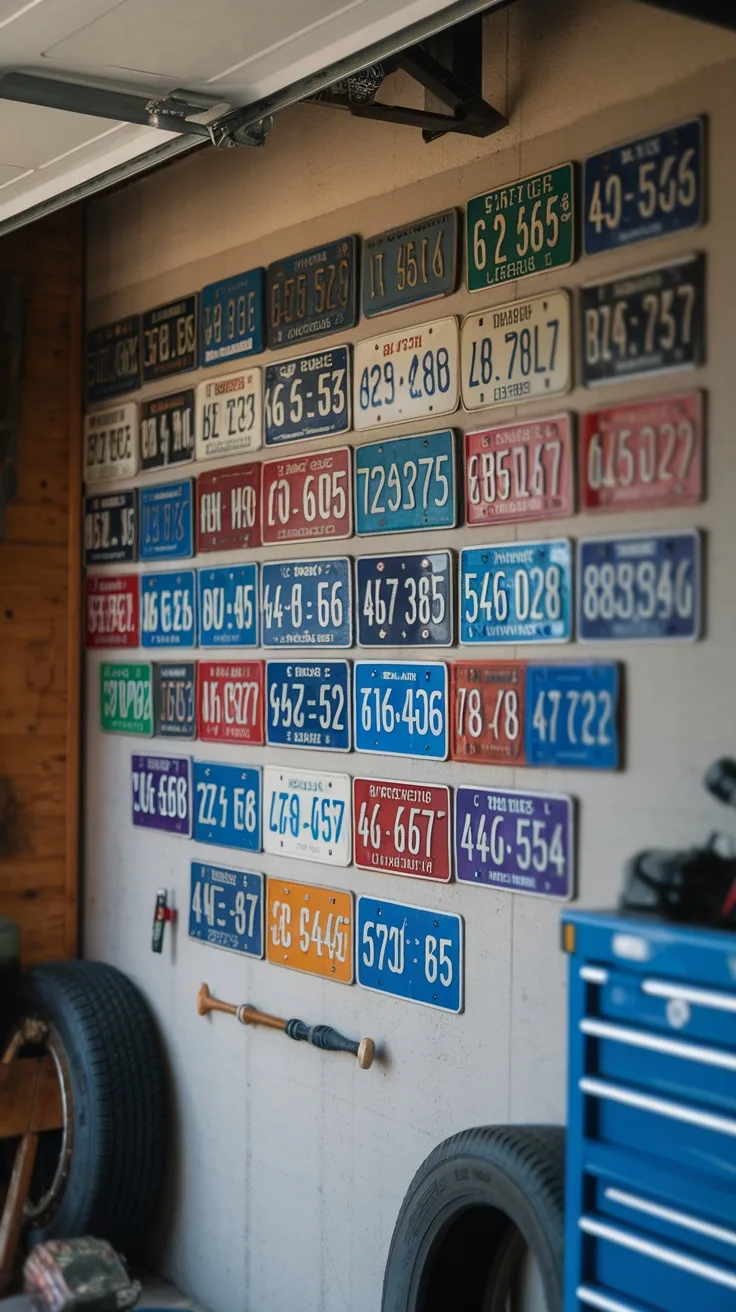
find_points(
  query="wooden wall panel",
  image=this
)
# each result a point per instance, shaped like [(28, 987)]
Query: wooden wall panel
[(40, 581)]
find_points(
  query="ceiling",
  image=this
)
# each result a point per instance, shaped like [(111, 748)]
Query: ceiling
[(237, 50)]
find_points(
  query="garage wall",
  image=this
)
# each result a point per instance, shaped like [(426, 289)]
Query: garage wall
[(290, 1166)]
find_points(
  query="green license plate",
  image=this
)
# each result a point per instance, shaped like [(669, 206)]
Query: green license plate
[(126, 701), (523, 228)]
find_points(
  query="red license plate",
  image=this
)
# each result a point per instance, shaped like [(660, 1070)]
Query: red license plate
[(112, 611), (402, 829), (306, 497), (230, 701), (229, 508), (643, 456), (519, 471), (488, 711)]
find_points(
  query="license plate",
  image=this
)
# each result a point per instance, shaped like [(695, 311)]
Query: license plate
[(644, 323), (110, 534), (230, 701), (407, 375), (312, 293), (228, 606), (643, 455), (227, 805), (572, 716), (405, 600), (308, 396), (649, 187), (519, 471), (113, 359), (402, 828), (174, 699), (406, 484), (226, 908), (167, 430), (162, 793), (229, 509), (307, 603), (170, 339), (522, 228), (111, 611), (308, 705), (311, 929), (642, 586), (410, 265), (488, 702), (307, 815), (517, 352), (231, 318), (167, 521), (519, 592), (168, 610), (111, 444), (308, 497), (229, 415), (410, 952), (517, 841), (125, 699), (401, 709)]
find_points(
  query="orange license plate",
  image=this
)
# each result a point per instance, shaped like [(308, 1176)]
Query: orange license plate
[(488, 711), (310, 928)]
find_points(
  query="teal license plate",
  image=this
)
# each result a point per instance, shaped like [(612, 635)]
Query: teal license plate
[(521, 228)]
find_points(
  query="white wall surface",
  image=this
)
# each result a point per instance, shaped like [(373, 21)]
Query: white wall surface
[(290, 1165)]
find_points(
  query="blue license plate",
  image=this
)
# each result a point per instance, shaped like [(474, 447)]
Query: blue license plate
[(167, 521), (572, 716), (312, 293), (228, 606), (308, 396), (405, 484), (307, 603), (517, 841), (405, 600), (168, 609), (410, 952), (646, 188), (226, 908), (227, 805), (519, 592), (231, 318), (642, 586), (110, 528), (410, 265), (308, 704), (174, 700), (401, 709)]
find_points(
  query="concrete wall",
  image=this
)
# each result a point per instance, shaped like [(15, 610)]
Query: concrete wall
[(290, 1166)]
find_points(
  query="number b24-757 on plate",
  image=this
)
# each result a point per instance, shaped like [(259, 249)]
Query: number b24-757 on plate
[(407, 375), (516, 352), (518, 592)]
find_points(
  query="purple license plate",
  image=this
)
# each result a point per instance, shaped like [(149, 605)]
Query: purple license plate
[(520, 842), (162, 793)]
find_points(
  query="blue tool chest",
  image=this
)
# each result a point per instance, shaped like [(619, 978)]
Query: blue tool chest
[(651, 1127)]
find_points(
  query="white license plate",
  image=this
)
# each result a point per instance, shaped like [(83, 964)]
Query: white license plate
[(229, 415), (307, 815), (111, 443), (412, 374), (517, 352)]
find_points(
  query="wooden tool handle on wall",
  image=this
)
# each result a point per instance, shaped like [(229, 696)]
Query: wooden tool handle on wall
[(320, 1036)]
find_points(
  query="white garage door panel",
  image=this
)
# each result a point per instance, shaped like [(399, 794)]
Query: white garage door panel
[(31, 136)]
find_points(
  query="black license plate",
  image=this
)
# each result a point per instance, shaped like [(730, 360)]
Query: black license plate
[(110, 528), (167, 430), (170, 339), (312, 293), (113, 358), (409, 265), (643, 323), (174, 699)]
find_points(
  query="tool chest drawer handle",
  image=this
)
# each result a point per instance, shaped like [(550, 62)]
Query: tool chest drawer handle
[(658, 1106), (659, 988), (636, 1204), (716, 1275), (599, 1029), (594, 974), (592, 1298)]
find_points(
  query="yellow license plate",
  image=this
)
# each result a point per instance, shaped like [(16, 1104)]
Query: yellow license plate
[(311, 929)]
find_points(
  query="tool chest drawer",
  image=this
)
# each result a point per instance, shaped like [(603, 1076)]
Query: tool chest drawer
[(651, 1128)]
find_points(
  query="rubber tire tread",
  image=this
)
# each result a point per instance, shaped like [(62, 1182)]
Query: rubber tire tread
[(119, 1093), (531, 1158)]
